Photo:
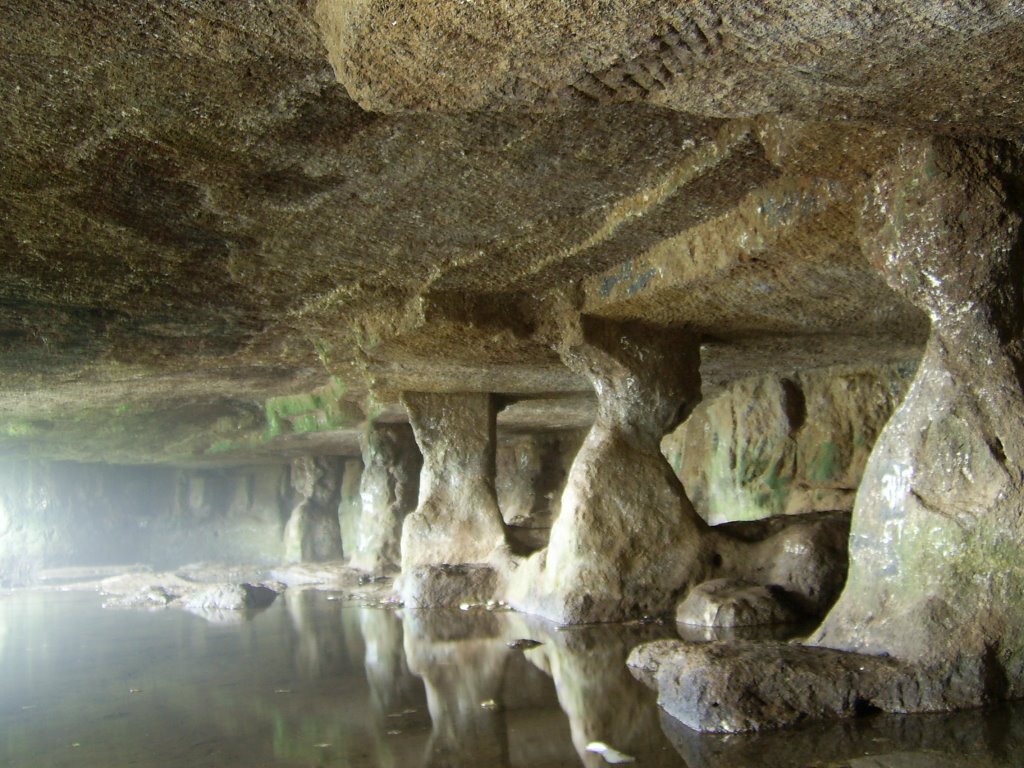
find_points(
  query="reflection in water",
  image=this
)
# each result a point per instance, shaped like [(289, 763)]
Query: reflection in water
[(462, 662), (595, 690), (318, 682)]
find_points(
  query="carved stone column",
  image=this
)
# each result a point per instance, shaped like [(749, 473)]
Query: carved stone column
[(627, 539), (313, 532), (388, 488), (457, 520)]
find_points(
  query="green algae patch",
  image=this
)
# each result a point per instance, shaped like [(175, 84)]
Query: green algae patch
[(20, 428), (322, 409)]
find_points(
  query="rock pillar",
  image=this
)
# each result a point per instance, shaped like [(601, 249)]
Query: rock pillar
[(389, 488), (457, 519), (932, 615), (627, 539), (313, 532), (936, 574)]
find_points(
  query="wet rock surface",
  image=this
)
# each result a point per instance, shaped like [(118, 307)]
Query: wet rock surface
[(457, 520), (388, 489), (448, 586), (731, 603)]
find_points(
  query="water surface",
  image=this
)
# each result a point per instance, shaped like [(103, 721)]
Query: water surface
[(316, 680)]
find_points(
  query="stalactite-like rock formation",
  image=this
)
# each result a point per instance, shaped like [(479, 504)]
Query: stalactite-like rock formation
[(627, 538)]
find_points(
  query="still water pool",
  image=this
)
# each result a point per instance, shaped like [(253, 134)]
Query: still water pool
[(319, 681)]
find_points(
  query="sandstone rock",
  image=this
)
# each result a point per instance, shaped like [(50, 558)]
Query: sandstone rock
[(714, 57), (457, 520), (350, 508), (743, 686), (388, 489), (149, 597), (448, 586), (933, 589), (313, 531), (784, 445), (531, 474), (230, 597), (731, 603), (932, 574), (626, 539), (804, 556), (334, 575)]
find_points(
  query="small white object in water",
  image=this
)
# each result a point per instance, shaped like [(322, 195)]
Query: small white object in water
[(489, 704), (610, 754), (464, 606), (322, 746)]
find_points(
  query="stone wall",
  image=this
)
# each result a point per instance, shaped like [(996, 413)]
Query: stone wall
[(55, 514), (531, 472), (784, 445)]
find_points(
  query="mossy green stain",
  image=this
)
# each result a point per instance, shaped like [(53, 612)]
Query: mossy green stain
[(314, 411), (823, 463)]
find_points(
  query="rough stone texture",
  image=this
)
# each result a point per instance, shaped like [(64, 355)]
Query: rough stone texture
[(230, 597), (350, 508), (784, 445), (734, 687), (935, 572), (313, 532), (388, 489), (447, 586), (731, 603), (457, 519), (930, 617), (917, 63), (626, 539), (803, 556), (531, 472)]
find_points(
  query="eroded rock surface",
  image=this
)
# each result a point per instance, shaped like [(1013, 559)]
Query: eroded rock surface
[(457, 520), (626, 539), (784, 445), (313, 531), (710, 57), (732, 603), (931, 616), (388, 490)]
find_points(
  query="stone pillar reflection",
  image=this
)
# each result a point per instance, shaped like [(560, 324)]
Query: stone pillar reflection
[(627, 539), (388, 489), (461, 660)]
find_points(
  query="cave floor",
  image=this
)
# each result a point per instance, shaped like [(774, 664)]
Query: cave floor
[(327, 679)]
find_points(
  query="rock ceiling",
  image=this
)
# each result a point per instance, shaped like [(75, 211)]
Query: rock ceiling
[(238, 230)]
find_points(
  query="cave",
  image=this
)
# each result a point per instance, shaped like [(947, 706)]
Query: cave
[(524, 383)]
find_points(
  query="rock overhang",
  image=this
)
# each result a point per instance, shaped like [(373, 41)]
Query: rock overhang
[(200, 220)]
